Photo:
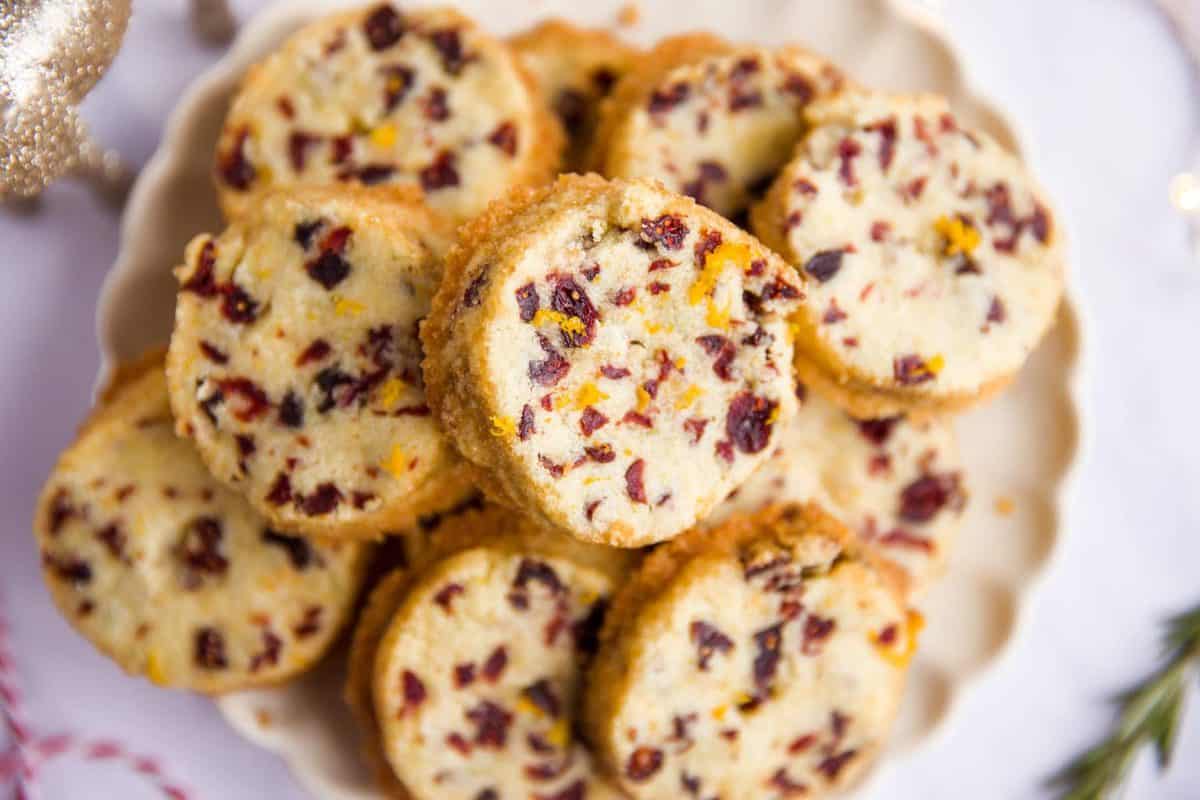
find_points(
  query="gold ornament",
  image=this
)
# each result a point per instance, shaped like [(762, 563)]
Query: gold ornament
[(52, 52)]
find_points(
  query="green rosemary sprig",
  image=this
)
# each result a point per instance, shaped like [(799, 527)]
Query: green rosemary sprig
[(1149, 715)]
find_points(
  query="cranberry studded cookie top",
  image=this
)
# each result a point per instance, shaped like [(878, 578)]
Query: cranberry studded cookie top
[(169, 573), (576, 68), (490, 711), (896, 483), (614, 356), (295, 362), (383, 96), (761, 660), (711, 120), (934, 260)]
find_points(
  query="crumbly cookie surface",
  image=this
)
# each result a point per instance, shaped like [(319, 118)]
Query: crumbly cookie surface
[(710, 119), (616, 358), (762, 660), (488, 712), (934, 261), (576, 69), (171, 574), (377, 96), (295, 361), (896, 483)]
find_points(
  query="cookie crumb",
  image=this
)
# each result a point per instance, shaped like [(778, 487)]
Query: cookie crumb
[(629, 15), (263, 717), (1004, 506)]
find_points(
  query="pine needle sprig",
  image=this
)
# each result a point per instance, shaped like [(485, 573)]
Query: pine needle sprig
[(1149, 714)]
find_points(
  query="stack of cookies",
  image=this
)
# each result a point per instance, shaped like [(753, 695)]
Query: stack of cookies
[(666, 444)]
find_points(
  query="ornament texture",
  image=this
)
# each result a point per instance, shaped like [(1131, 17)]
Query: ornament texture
[(52, 52)]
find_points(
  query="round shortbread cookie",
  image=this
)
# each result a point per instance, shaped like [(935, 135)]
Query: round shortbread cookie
[(576, 69), (295, 362), (380, 96), (934, 264), (762, 660), (710, 119), (614, 357), (487, 711), (896, 483), (169, 573)]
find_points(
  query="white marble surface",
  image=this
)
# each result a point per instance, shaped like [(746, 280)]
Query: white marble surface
[(1111, 105)]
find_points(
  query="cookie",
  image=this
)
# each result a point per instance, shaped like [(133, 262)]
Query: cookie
[(710, 119), (576, 69), (614, 358), (764, 659), (896, 483), (379, 96), (407, 552), (295, 364), (935, 262), (487, 711), (169, 573)]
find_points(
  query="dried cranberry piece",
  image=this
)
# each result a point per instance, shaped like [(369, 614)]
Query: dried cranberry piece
[(541, 572), (254, 401), (445, 596), (911, 370), (708, 640), (323, 500), (740, 98), (331, 381), (373, 174), (591, 272), (309, 624), (848, 150), (200, 549), (635, 485), (448, 43), (832, 765), (298, 550), (667, 230), (877, 431), (464, 675), (591, 421), (625, 296), (209, 649), (69, 568), (237, 305), (398, 81), (922, 499), (328, 269), (643, 763), (528, 302), (575, 791), (314, 352), (491, 724), (996, 311), (542, 695), (708, 242), (340, 149), (212, 353), (799, 86), (695, 426), (554, 468), (269, 657), (601, 454), (887, 144), (299, 143), (824, 265), (662, 100), (505, 138), (786, 786), (816, 630), (768, 641), (383, 27), (459, 743), (589, 510), (748, 423), (526, 428), (488, 794), (280, 492), (571, 299), (474, 291), (441, 173), (413, 689), (552, 369), (61, 510), (233, 166), (724, 350), (291, 410), (435, 107), (614, 373)]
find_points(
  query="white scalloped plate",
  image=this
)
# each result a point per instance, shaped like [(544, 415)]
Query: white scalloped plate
[(1020, 447)]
